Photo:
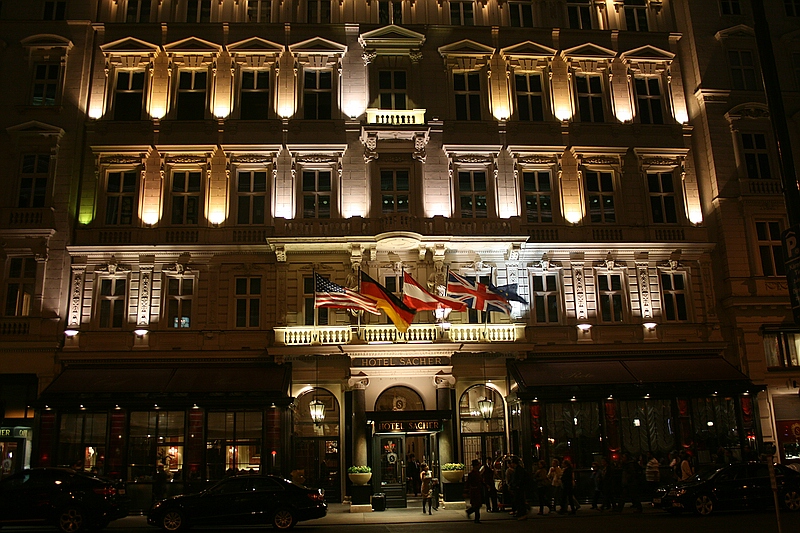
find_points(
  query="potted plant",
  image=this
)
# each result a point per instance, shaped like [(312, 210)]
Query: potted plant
[(359, 475), (453, 472)]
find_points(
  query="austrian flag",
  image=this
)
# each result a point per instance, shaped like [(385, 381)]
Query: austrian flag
[(476, 295), (416, 297)]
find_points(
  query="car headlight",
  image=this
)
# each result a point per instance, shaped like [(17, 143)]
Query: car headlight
[(157, 505)]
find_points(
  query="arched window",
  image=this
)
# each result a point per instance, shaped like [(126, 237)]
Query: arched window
[(304, 426), (399, 399), (482, 437), (315, 446)]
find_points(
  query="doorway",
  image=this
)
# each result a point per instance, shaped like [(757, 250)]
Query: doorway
[(396, 478)]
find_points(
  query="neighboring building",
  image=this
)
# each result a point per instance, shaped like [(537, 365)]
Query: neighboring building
[(213, 156)]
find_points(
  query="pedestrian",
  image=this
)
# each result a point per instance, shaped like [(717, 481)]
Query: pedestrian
[(631, 474), (652, 473), (435, 491), (518, 482), (542, 487), (554, 475), (615, 486), (687, 470), (474, 489), (412, 473), (675, 465), (596, 479), (508, 493), (605, 485), (567, 487), (487, 473), (159, 484), (425, 489)]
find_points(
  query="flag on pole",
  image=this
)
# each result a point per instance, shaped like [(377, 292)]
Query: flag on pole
[(398, 312), (329, 294), (509, 292), (476, 295), (416, 297)]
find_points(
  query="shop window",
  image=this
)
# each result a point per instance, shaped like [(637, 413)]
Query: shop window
[(756, 155), (392, 89), (46, 82), (390, 12), (248, 302), (635, 15), (472, 194), (529, 93), (399, 399), (259, 10), (792, 8), (673, 292), (156, 439), (579, 14), (715, 425), (313, 316), (600, 196), (33, 180), (461, 14), (647, 426), (120, 197), (781, 349), (82, 441), (395, 190), (316, 445), (255, 96), (649, 99), (251, 191), (55, 10), (129, 95), (589, 93), (191, 95), (730, 7), (112, 296), (572, 429), (521, 14), (198, 11), (743, 70), (661, 188), (180, 293), (138, 11), (186, 193), (467, 92), (317, 194), (20, 283), (544, 297), (317, 94), (538, 201), (770, 249), (233, 443), (610, 297), (319, 12), (481, 437)]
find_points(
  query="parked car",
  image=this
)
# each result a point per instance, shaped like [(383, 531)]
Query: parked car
[(237, 500), (71, 500), (736, 486)]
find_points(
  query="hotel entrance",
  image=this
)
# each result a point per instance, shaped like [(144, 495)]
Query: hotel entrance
[(393, 454)]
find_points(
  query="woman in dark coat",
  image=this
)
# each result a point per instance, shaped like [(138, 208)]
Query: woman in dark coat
[(475, 491)]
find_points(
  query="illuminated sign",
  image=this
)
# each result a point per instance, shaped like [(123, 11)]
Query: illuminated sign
[(15, 432), (372, 362), (403, 426)]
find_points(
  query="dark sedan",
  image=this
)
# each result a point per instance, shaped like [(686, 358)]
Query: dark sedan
[(238, 500), (70, 500), (732, 487)]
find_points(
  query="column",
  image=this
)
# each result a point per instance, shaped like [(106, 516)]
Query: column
[(358, 385), (444, 402)]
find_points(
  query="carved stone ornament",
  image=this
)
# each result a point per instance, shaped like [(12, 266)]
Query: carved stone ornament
[(415, 56), (317, 158), (178, 268), (369, 56), (120, 160), (251, 158), (113, 268), (536, 160), (187, 159), (473, 158), (660, 161), (280, 254), (599, 160)]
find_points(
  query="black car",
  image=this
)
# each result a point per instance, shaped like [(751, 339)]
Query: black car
[(736, 486), (237, 500), (70, 500)]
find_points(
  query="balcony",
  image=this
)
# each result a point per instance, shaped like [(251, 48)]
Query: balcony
[(395, 117), (27, 220), (388, 334)]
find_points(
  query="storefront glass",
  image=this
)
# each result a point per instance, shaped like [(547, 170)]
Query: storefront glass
[(481, 437), (233, 442), (156, 439), (82, 441), (647, 426), (715, 427), (316, 445), (572, 430)]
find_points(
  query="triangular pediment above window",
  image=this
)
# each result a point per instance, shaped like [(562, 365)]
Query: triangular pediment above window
[(255, 52), (391, 38), (318, 52), (34, 127), (129, 45), (740, 31), (193, 45), (528, 55), (589, 51), (466, 55), (647, 59)]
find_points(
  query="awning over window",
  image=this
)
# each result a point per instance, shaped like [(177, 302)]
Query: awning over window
[(631, 378)]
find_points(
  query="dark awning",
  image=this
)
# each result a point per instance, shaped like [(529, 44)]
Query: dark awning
[(631, 378)]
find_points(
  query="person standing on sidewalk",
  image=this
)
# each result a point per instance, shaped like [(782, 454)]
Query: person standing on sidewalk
[(426, 480), (518, 482), (567, 487), (474, 491), (542, 487), (554, 475), (631, 486), (487, 473)]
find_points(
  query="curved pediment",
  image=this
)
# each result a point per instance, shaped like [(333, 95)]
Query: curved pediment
[(129, 45), (46, 41), (751, 110), (193, 45)]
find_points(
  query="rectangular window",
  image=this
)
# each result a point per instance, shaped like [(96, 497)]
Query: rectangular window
[(635, 15), (475, 316), (251, 189), (234, 443), (589, 90), (392, 89), (743, 70), (120, 197), (319, 12), (316, 194), (20, 282), (317, 94), (730, 7), (661, 188), (112, 299), (521, 14), (129, 95), (781, 349), (769, 248), (673, 289), (138, 11), (600, 196), (472, 193), (394, 191), (179, 302), (544, 297), (45, 84), (461, 14), (198, 11), (248, 302), (186, 197), (311, 312), (258, 10), (82, 440), (156, 438), (255, 103), (538, 200), (467, 90), (530, 96), (649, 104), (55, 10), (579, 13), (390, 12), (610, 297), (33, 180), (756, 156), (792, 8), (191, 95)]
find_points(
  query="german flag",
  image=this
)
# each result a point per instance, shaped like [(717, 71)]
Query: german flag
[(398, 312)]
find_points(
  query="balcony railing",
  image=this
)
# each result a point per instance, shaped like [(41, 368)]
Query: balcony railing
[(388, 334), (395, 117)]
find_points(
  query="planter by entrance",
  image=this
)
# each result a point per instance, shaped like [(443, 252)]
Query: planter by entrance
[(360, 479), (453, 476)]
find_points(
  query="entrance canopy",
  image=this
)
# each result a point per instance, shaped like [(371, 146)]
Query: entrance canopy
[(627, 377)]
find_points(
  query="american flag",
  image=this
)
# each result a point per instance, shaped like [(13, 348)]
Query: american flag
[(329, 294)]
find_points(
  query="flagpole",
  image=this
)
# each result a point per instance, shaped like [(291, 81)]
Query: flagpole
[(359, 313), (315, 301)]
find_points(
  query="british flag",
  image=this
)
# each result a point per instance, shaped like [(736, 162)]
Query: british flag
[(476, 295)]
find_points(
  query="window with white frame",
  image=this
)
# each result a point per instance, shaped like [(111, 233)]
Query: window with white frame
[(34, 175), (472, 193), (537, 196), (649, 99), (120, 197), (756, 155), (138, 11), (610, 296), (318, 12), (521, 14), (544, 297), (673, 294), (248, 302), (259, 10), (198, 10), (317, 94), (529, 93), (186, 196), (781, 348), (191, 95), (46, 82), (251, 197), (600, 196), (312, 316), (589, 93), (180, 291), (390, 12), (579, 14), (20, 283), (112, 299), (129, 94), (395, 190), (661, 188), (635, 15), (474, 316), (254, 96), (770, 251), (461, 13), (317, 189), (392, 88), (792, 8), (730, 7), (467, 91), (55, 10), (743, 70)]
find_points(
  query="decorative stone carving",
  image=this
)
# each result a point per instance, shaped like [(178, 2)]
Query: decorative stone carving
[(76, 297), (645, 299)]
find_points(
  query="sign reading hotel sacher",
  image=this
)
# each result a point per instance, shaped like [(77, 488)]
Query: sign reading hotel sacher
[(404, 426), (377, 362)]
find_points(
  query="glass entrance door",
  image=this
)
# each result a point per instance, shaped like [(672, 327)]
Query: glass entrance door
[(317, 464), (390, 457)]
